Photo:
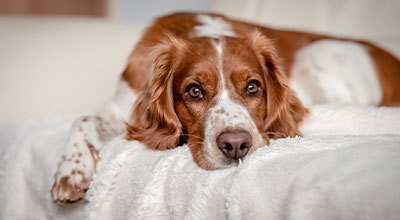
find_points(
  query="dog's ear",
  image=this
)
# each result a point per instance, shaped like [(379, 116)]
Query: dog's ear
[(154, 121), (285, 112)]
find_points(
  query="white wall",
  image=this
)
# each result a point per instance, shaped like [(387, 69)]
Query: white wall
[(146, 10)]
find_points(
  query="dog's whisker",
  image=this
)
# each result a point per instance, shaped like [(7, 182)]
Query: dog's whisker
[(195, 136), (278, 134)]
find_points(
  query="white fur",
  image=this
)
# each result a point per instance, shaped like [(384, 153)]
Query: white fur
[(123, 100), (338, 72), (212, 27), (226, 113), (218, 47)]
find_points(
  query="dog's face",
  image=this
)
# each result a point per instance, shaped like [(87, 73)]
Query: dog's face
[(220, 100), (225, 97)]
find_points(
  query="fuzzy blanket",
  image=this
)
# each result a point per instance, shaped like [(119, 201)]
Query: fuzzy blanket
[(345, 167)]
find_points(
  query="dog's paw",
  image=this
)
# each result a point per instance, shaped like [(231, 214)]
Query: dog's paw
[(78, 163), (73, 177), (70, 189)]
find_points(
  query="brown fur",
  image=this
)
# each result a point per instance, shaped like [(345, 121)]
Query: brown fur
[(155, 122)]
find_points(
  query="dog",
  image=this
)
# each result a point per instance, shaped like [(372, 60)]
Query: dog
[(224, 87)]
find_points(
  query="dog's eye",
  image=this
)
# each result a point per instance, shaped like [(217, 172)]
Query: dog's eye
[(252, 87), (195, 92)]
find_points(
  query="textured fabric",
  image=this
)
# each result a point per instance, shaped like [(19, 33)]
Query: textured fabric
[(346, 167)]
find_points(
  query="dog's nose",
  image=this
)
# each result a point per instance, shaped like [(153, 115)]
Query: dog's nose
[(234, 144)]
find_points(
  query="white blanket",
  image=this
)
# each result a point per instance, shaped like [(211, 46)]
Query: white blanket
[(346, 167)]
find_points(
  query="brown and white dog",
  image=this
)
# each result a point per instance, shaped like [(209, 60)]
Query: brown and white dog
[(225, 88)]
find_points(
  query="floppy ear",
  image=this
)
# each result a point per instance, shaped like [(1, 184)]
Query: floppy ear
[(285, 112), (154, 121)]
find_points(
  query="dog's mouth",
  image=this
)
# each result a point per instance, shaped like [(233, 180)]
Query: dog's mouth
[(222, 162)]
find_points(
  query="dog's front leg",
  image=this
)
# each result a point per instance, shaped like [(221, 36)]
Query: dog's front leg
[(81, 154), (78, 163)]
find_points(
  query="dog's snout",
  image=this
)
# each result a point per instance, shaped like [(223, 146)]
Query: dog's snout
[(234, 144)]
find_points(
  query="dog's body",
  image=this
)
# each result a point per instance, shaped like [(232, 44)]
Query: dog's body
[(219, 85)]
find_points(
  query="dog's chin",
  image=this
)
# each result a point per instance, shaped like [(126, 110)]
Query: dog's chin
[(211, 158), (215, 162), (212, 164)]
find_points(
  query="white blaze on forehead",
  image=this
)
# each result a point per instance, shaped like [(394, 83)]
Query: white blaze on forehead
[(218, 45), (212, 26)]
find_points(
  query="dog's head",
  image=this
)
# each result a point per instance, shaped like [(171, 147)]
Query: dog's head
[(224, 96)]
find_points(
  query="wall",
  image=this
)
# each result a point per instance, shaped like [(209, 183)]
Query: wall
[(139, 11)]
